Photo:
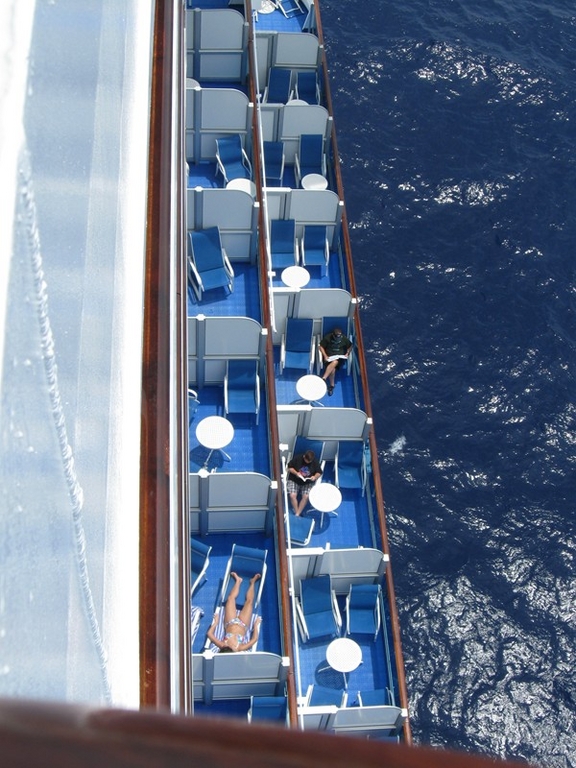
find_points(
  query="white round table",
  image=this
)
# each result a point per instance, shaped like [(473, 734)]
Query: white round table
[(311, 388), (295, 277), (344, 655), (214, 432), (325, 497), (244, 185), (314, 181), (297, 103)]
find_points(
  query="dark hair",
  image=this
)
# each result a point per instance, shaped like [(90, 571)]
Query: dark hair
[(309, 456), (226, 650)]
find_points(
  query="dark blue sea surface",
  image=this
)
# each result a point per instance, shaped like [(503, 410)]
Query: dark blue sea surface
[(456, 123)]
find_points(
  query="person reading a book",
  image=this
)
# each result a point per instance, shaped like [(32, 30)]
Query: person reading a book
[(303, 471), (335, 349)]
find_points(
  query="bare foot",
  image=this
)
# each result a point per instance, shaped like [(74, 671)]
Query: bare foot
[(235, 576), (255, 578)]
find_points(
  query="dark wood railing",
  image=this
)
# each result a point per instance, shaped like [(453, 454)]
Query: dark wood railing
[(379, 499)]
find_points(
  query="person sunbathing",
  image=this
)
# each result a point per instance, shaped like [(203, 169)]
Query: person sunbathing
[(237, 622)]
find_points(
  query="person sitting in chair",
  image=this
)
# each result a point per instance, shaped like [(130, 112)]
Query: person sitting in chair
[(237, 622), (303, 471), (335, 349)]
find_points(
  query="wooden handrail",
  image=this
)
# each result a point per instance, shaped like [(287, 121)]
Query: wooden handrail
[(380, 507)]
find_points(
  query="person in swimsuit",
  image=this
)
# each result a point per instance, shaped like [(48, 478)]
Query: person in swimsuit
[(236, 622)]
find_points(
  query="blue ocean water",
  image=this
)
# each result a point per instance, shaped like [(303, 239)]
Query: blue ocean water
[(457, 130)]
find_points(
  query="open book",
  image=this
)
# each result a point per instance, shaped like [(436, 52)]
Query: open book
[(336, 357)]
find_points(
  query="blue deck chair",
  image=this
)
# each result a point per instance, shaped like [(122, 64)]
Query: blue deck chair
[(350, 465), (377, 698), (245, 561), (297, 345), (274, 161), (317, 609), (363, 610), (314, 250), (309, 157), (301, 529), (320, 696), (208, 264), (231, 159), (278, 89), (200, 558), (242, 387), (307, 88), (289, 7), (283, 248), (268, 708)]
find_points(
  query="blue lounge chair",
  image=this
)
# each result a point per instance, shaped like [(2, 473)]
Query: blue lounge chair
[(314, 250), (268, 708), (307, 88), (320, 696), (317, 609), (200, 558), (231, 159), (363, 610), (208, 264), (328, 324), (309, 157), (301, 529), (274, 161), (297, 345), (350, 465), (245, 561), (242, 387), (278, 88), (283, 247)]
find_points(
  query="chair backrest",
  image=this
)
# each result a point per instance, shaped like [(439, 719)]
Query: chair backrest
[(274, 159), (310, 153), (242, 374), (320, 696), (206, 248), (283, 235), (200, 557), (307, 87), (301, 529), (279, 85), (303, 444), (229, 149), (350, 453), (299, 334), (268, 708), (314, 236), (316, 595)]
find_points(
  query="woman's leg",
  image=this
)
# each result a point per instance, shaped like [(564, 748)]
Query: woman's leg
[(246, 611), (230, 605)]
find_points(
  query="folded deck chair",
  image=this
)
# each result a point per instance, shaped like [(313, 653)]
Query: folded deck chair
[(309, 157), (314, 250), (242, 387), (297, 344), (307, 88), (231, 159), (283, 248), (274, 161), (363, 610), (245, 561), (268, 708), (200, 559), (220, 632), (317, 609), (208, 264), (278, 88)]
